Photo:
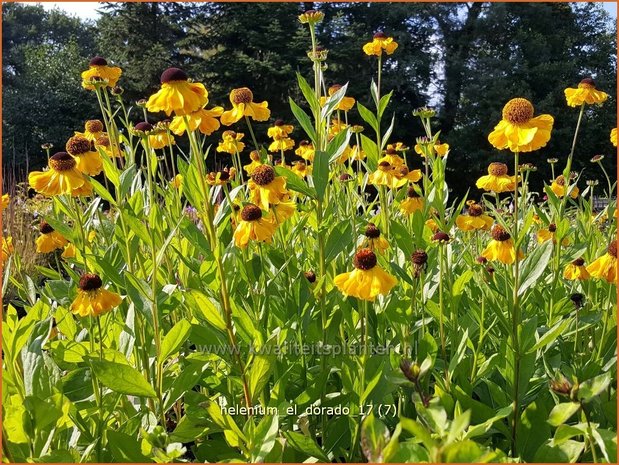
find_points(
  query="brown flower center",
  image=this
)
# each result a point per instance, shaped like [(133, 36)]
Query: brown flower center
[(440, 236), (310, 276), (98, 61), (90, 282), (103, 141), (560, 181), (552, 227), (391, 151), (78, 145), (242, 95), (419, 257), (94, 125), (587, 83), (380, 35), (578, 262), (143, 127), (403, 171), (62, 161), (384, 166), (499, 234), (344, 177), (334, 88), (475, 210), (497, 169), (518, 111), (263, 175), (251, 213), (45, 228), (412, 193), (279, 122), (173, 74), (365, 259), (372, 231), (612, 248)]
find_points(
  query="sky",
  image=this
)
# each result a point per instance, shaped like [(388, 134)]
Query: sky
[(87, 10)]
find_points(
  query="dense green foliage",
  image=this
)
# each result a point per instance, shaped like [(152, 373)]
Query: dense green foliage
[(450, 56)]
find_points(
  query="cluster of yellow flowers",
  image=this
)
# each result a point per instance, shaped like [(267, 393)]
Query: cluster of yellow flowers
[(519, 131)]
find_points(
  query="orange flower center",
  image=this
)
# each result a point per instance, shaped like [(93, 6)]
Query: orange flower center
[(518, 111), (242, 95), (263, 175), (94, 125), (78, 145), (497, 169)]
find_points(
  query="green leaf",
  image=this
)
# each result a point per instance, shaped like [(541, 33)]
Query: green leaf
[(261, 368), (125, 448), (533, 430), (174, 339), (339, 239), (303, 119), (308, 93), (306, 445), (567, 452), (294, 182), (551, 335), (371, 150), (320, 173), (374, 438), (562, 412), (534, 265), (203, 308), (384, 101), (368, 116), (593, 387), (264, 437), (122, 378), (102, 191)]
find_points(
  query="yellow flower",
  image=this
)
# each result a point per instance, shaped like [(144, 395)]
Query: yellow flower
[(99, 71), (576, 271), (475, 219), (254, 226), (160, 140), (61, 178), (177, 181), (438, 148), (283, 210), (49, 240), (92, 299), (336, 127), (367, 280), (392, 176), (306, 150), (243, 105), (399, 147), (346, 104), (281, 144), (279, 130), (177, 94), (613, 137), (412, 203), (585, 93), (544, 235), (432, 224), (266, 188), (69, 251), (301, 169), (497, 179), (311, 17), (6, 198), (519, 131), (221, 177), (605, 267), (87, 160), (392, 157), (558, 187), (255, 162), (501, 247), (7, 248), (375, 241), (356, 153), (379, 43), (93, 129), (204, 120), (231, 142), (104, 143)]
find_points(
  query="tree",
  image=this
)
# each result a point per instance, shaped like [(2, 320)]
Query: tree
[(43, 102)]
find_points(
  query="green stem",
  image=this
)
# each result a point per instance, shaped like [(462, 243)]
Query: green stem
[(516, 317)]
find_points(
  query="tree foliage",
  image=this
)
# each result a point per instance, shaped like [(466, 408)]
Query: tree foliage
[(465, 59)]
